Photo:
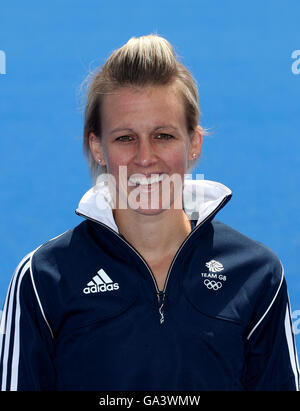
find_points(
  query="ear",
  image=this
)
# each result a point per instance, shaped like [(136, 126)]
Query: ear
[(196, 143), (96, 149)]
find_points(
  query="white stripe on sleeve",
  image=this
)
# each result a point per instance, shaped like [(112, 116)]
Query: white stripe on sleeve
[(268, 309), (16, 347), (291, 346), (6, 325)]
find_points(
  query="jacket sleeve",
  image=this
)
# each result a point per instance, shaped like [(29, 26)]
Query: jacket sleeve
[(271, 356), (25, 337)]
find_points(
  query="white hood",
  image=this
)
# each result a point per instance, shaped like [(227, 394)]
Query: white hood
[(200, 199)]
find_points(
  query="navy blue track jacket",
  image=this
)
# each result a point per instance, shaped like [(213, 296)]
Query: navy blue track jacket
[(83, 311)]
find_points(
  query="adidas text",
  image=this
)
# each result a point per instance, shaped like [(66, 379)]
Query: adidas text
[(101, 288)]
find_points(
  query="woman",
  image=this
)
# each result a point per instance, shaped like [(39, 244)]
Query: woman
[(149, 291)]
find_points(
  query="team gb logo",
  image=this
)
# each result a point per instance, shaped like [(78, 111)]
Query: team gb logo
[(214, 266), (211, 279)]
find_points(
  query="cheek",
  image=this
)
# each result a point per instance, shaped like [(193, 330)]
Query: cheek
[(114, 159), (177, 160)]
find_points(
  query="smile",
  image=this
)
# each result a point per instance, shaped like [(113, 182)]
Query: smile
[(142, 180)]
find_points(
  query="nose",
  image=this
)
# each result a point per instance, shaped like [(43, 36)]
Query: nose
[(145, 154)]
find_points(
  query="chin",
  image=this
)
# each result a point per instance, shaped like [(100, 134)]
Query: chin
[(145, 209), (149, 211)]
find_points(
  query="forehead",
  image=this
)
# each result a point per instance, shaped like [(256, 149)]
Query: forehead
[(146, 105)]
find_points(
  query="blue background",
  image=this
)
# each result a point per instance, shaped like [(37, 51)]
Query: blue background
[(240, 54)]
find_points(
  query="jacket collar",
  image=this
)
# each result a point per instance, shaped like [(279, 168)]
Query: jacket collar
[(201, 198)]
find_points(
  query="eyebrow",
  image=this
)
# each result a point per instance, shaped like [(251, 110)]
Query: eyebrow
[(166, 126)]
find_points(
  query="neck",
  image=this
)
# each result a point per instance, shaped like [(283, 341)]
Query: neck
[(153, 236)]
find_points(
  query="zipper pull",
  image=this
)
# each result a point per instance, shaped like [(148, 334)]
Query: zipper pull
[(161, 297)]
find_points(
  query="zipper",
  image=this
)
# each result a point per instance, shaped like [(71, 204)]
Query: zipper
[(160, 297), (160, 294)]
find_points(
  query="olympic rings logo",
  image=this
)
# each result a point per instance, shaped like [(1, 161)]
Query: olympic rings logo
[(213, 285)]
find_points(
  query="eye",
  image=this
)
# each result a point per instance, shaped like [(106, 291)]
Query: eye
[(163, 136), (124, 138)]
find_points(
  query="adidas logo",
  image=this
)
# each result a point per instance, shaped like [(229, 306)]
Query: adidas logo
[(101, 282)]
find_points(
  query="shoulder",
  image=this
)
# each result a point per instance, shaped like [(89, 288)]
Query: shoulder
[(241, 242), (35, 272), (42, 261), (43, 272), (248, 255), (63, 244)]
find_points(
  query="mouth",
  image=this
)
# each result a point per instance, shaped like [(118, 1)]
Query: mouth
[(146, 182)]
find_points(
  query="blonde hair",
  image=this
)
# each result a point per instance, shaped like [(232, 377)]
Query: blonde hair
[(143, 61)]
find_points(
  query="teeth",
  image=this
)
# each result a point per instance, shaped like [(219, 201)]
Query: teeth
[(143, 180)]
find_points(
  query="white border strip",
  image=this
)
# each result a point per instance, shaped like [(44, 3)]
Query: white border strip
[(268, 309)]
